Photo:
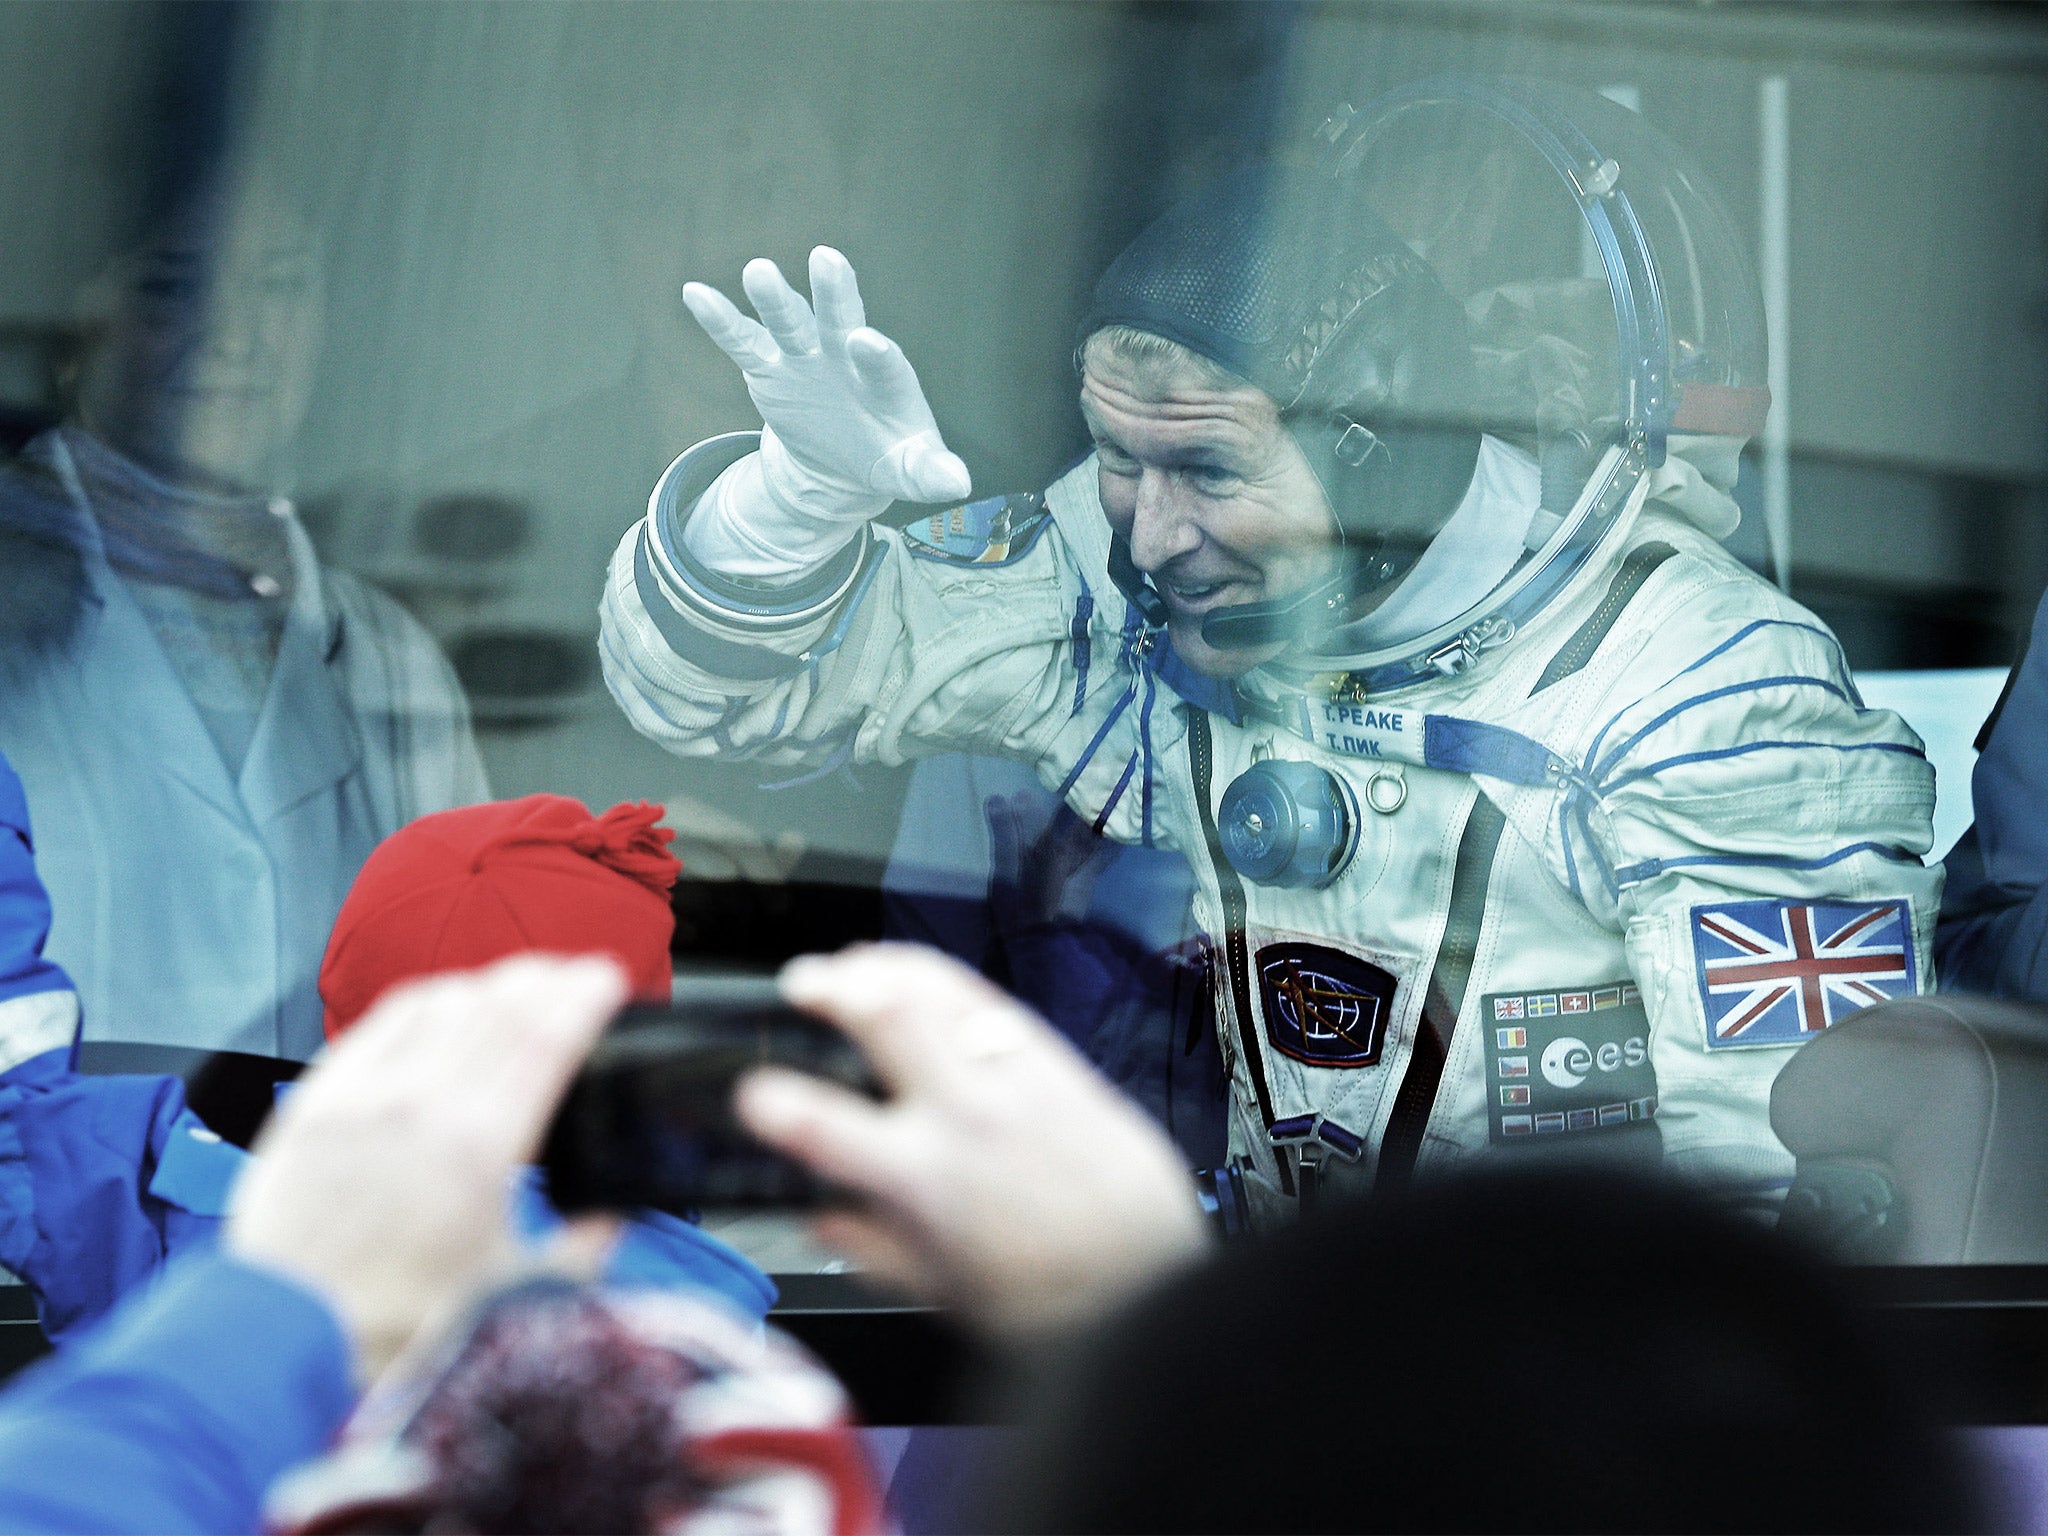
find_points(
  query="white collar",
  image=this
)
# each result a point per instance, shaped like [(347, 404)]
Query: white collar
[(1470, 556)]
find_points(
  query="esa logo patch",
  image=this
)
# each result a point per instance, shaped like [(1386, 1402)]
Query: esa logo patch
[(1324, 1007), (1780, 972), (1565, 1062)]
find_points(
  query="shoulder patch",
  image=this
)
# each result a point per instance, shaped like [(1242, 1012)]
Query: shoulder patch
[(1780, 972), (996, 531)]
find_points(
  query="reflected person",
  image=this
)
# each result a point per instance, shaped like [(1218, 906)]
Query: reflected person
[(214, 729), (1096, 936)]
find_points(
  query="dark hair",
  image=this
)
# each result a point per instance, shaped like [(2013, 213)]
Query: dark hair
[(1525, 1351)]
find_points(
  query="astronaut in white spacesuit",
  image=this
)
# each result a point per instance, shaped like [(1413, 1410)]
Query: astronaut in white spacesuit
[(1526, 820)]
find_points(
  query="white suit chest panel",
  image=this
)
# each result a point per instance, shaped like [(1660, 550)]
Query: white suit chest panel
[(1546, 973), (1337, 977), (1390, 909)]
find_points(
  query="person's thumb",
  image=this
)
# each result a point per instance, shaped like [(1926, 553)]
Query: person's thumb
[(922, 468)]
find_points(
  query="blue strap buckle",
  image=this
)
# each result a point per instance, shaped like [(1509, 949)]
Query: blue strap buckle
[(1318, 1128)]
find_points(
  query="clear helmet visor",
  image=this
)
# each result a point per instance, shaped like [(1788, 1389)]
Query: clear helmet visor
[(1608, 301)]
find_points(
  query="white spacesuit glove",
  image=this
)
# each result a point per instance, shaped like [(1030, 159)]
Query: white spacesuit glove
[(845, 427)]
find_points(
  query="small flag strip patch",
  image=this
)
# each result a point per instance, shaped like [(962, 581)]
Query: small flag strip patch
[(1545, 1005), (1558, 1122)]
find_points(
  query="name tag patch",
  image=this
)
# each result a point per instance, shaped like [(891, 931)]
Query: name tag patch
[(1780, 972), (1366, 730), (1324, 1007), (1562, 1063)]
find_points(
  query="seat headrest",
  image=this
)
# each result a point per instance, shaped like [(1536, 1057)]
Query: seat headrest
[(1945, 1101)]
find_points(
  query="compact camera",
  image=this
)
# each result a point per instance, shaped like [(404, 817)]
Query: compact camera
[(649, 1120)]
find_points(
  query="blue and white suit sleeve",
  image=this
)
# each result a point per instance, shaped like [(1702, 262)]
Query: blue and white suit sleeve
[(1745, 787), (180, 1412), (1994, 916), (102, 1180), (911, 643), (97, 1174)]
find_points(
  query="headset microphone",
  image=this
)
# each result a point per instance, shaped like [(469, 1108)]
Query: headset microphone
[(1243, 625), (1131, 581)]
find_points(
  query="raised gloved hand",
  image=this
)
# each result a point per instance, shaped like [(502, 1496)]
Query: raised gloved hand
[(845, 427)]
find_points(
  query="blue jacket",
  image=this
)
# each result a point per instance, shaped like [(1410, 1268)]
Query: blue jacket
[(1993, 935), (38, 1006), (180, 1413), (104, 1179), (1107, 949)]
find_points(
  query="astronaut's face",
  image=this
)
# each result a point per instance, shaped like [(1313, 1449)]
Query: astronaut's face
[(1217, 501)]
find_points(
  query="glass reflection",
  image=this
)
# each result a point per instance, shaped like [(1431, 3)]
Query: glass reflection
[(214, 730), (444, 320)]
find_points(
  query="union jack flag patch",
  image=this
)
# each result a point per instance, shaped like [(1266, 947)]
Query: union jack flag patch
[(1780, 972)]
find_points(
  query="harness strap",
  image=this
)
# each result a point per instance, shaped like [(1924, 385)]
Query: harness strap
[(1236, 950), (1445, 999)]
